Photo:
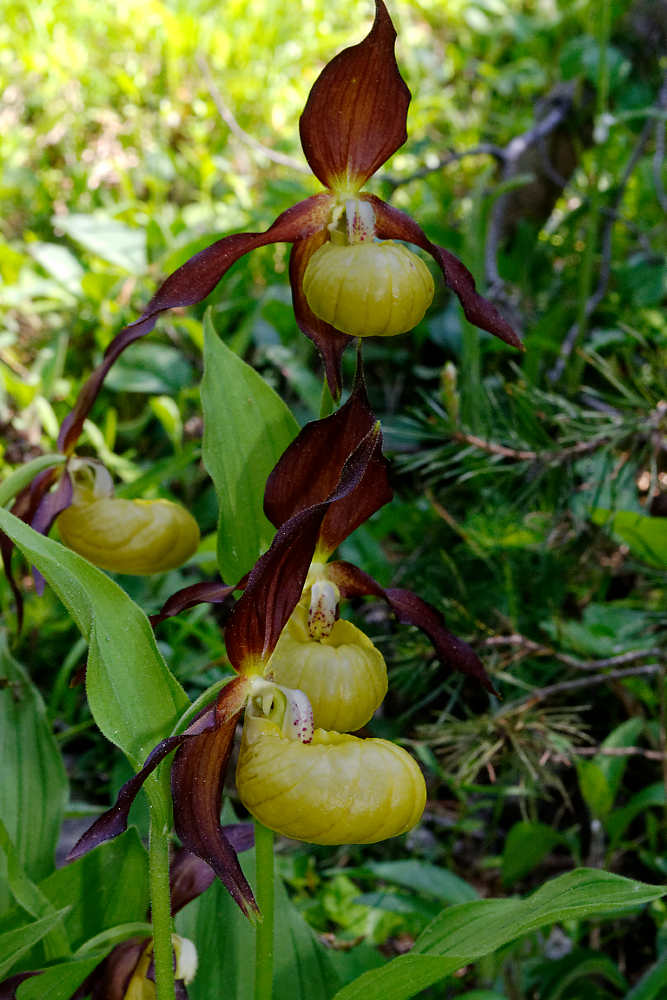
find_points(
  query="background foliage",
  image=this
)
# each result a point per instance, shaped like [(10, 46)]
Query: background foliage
[(530, 491)]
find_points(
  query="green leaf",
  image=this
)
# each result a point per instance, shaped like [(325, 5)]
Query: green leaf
[(33, 782), (150, 368), (645, 536), (423, 877), (466, 932), (15, 943), (526, 845), (620, 819), (107, 238), (60, 981), (246, 429), (134, 698), (594, 787)]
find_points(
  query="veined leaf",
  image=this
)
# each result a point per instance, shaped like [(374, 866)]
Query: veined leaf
[(466, 932)]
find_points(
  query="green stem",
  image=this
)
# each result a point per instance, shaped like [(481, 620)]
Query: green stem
[(158, 865), (264, 930)]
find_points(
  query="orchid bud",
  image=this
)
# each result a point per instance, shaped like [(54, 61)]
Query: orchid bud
[(368, 289), (337, 789), (343, 674), (128, 536)]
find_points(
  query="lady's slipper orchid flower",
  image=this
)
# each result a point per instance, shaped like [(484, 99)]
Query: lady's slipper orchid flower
[(271, 593), (305, 473), (343, 281), (139, 537), (331, 788)]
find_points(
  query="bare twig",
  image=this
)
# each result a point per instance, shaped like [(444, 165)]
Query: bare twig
[(611, 217), (539, 694), (530, 646), (523, 455), (240, 133), (483, 149), (618, 752)]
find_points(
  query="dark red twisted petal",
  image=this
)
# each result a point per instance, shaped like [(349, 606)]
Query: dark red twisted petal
[(355, 116), (191, 283), (210, 592), (51, 504), (197, 776), (276, 581), (330, 342), (391, 223), (412, 610)]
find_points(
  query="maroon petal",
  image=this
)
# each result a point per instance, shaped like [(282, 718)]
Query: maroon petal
[(412, 610), (276, 581), (191, 283), (211, 592), (110, 980), (114, 821), (355, 116), (197, 777), (394, 224), (51, 504), (329, 342), (308, 471)]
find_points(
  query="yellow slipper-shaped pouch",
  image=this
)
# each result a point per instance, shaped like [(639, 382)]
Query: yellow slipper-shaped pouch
[(128, 536), (337, 789), (343, 674)]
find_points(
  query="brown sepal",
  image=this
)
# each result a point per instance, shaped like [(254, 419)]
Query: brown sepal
[(329, 342), (197, 776), (355, 116), (309, 468), (412, 610), (8, 987), (276, 581), (189, 284), (391, 223), (210, 592)]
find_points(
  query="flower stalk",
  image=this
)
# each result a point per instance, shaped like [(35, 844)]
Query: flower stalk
[(264, 929), (158, 868)]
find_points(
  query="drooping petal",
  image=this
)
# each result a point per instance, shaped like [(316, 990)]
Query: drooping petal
[(355, 116), (276, 581), (50, 506), (330, 342), (391, 223), (114, 821), (197, 776), (308, 471), (189, 284), (412, 610), (210, 592)]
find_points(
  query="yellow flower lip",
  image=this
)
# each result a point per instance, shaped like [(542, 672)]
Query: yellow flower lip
[(139, 537), (343, 674), (368, 289), (336, 790)]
